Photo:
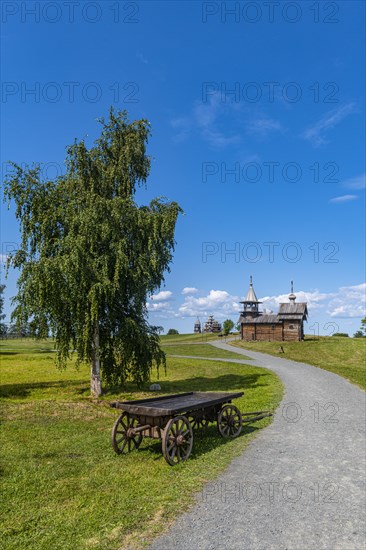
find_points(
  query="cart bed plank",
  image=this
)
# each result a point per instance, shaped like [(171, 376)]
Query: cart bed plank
[(173, 404)]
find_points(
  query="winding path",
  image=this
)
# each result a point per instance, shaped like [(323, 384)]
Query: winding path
[(300, 484)]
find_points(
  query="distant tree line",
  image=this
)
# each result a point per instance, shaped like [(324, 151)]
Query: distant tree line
[(360, 333), (12, 330)]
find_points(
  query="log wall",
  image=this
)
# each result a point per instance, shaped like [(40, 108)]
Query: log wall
[(287, 331), (291, 330)]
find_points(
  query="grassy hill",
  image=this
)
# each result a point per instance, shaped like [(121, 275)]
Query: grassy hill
[(343, 356)]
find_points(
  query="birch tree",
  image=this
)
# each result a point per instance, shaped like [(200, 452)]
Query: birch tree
[(90, 256)]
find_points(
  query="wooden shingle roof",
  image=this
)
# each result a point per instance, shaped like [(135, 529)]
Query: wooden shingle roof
[(289, 308), (293, 310), (262, 319), (291, 316)]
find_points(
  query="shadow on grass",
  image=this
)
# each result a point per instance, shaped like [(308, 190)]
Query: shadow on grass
[(24, 390), (27, 352), (204, 441), (226, 382)]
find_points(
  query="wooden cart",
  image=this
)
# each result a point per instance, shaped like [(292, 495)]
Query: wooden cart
[(171, 418)]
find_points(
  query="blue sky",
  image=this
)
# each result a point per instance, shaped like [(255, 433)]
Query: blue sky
[(258, 128)]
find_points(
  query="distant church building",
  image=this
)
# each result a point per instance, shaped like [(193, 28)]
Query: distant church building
[(211, 325), (197, 326), (287, 325)]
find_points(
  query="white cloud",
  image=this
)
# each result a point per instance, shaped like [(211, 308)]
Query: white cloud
[(358, 182), (346, 302), (162, 296), (348, 311), (219, 119), (314, 299), (159, 306), (316, 134), (183, 128), (189, 290), (206, 113), (264, 126), (218, 302), (218, 139), (162, 310), (350, 301), (208, 118), (344, 198), (3, 258)]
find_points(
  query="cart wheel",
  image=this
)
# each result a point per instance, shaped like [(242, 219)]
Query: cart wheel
[(229, 421), (198, 423), (123, 437), (177, 440)]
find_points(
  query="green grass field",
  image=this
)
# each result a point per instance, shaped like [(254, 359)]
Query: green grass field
[(343, 356), (63, 487), (179, 338), (200, 350)]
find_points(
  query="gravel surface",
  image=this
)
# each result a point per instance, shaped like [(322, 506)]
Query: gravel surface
[(300, 484)]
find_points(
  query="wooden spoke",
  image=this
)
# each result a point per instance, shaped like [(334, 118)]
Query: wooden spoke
[(229, 421), (198, 421), (226, 430), (177, 440), (123, 423), (123, 438)]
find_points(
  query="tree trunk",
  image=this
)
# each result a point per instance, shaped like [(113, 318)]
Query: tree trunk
[(95, 382)]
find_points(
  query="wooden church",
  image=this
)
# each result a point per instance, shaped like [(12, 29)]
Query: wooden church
[(285, 326)]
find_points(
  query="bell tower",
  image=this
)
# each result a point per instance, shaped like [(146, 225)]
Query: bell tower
[(197, 326), (250, 303)]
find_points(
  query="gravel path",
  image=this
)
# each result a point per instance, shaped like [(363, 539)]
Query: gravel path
[(300, 484)]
